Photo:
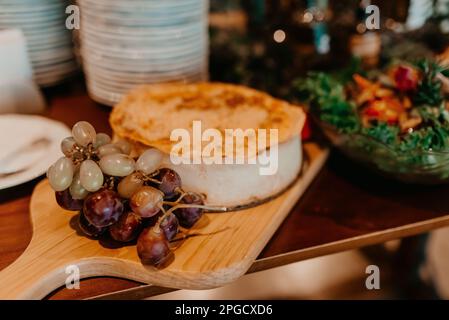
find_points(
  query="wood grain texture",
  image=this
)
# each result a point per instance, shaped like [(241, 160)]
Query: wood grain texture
[(226, 248)]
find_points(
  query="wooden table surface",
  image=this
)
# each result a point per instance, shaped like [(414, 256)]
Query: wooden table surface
[(346, 207)]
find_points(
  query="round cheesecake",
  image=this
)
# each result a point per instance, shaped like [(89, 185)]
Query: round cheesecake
[(150, 115)]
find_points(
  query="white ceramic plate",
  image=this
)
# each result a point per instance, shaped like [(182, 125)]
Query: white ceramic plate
[(25, 129), (168, 46), (125, 86), (168, 57), (136, 42), (124, 31), (49, 81), (49, 77), (143, 5), (146, 72), (60, 66), (25, 20), (36, 9), (47, 40), (104, 97), (156, 21), (110, 97), (42, 46), (159, 34), (127, 43), (100, 86), (118, 67)]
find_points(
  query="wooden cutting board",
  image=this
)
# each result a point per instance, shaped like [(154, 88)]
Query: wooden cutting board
[(228, 245)]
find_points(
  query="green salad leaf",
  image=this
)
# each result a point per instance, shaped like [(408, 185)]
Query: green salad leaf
[(327, 98), (383, 133), (429, 89), (425, 139)]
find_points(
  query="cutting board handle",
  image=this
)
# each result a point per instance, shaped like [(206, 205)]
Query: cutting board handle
[(40, 270), (54, 246), (201, 262), (28, 277)]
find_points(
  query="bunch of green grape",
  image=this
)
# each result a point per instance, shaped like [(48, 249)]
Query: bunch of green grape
[(122, 197)]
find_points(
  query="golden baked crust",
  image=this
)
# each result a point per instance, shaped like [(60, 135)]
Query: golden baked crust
[(148, 114)]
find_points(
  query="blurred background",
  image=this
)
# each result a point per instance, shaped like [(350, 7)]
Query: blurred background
[(267, 44), (262, 43)]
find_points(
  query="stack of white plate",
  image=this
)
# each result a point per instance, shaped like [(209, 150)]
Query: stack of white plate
[(49, 42), (124, 43)]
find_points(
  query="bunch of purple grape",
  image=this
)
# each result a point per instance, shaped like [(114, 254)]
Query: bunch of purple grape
[(119, 196)]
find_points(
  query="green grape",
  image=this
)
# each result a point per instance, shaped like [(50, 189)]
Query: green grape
[(129, 185), (67, 146), (91, 176), (124, 146), (146, 202), (117, 165), (83, 133), (60, 174), (108, 149), (101, 139), (149, 161), (77, 191)]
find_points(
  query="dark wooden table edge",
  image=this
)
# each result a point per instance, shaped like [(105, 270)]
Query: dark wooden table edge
[(279, 260)]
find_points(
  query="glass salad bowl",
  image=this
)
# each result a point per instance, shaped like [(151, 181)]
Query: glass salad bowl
[(417, 166)]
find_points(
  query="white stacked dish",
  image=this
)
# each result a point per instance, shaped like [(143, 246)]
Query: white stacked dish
[(127, 43), (49, 42)]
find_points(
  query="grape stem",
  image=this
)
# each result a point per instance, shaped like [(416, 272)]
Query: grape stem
[(139, 218), (153, 180), (182, 195), (184, 236), (79, 154), (149, 177), (199, 206), (180, 191), (166, 213), (109, 183), (157, 226)]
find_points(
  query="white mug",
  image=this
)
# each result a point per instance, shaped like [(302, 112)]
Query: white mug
[(18, 92), (22, 96)]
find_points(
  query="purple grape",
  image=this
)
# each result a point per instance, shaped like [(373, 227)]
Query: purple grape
[(127, 228), (170, 226), (146, 201), (187, 217), (103, 208), (153, 247), (170, 182), (89, 229), (65, 201), (150, 222)]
